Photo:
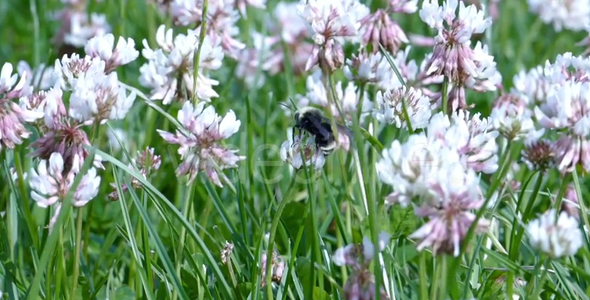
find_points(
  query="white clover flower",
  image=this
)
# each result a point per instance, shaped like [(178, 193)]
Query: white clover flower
[(291, 152), (333, 18), (562, 14), (72, 68), (292, 25), (371, 68), (64, 135), (252, 62), (390, 108), (42, 77), (347, 97), (556, 238), (100, 98), (403, 6), (369, 248), (511, 117), (173, 62), (114, 55), (222, 18), (532, 84), (81, 29), (474, 139), (199, 140), (50, 184)]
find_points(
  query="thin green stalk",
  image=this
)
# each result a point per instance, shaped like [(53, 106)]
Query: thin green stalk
[(545, 272), (186, 207), (25, 200), (271, 239), (443, 278), (445, 96), (197, 58), (583, 209), (423, 277), (526, 216), (436, 279), (403, 82), (77, 251), (36, 41), (504, 167)]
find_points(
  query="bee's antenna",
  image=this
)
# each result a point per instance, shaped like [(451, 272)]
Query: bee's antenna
[(285, 105), (293, 103)]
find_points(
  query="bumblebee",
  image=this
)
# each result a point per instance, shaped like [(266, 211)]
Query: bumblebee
[(313, 121)]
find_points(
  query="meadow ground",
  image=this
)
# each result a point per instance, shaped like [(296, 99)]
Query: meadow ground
[(458, 171)]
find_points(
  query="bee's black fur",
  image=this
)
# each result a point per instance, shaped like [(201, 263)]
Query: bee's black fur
[(313, 121)]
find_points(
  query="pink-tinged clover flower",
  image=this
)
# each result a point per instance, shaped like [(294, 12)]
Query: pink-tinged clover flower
[(361, 282), (378, 28), (453, 56), (51, 182), (403, 6), (63, 135), (13, 116), (200, 141), (145, 163), (436, 172), (114, 55), (78, 26), (333, 22), (566, 108), (222, 17), (295, 32)]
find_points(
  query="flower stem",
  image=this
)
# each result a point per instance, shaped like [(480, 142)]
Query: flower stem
[(271, 239), (443, 278), (541, 282), (25, 199), (438, 274), (445, 96), (186, 207), (197, 58), (77, 251)]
